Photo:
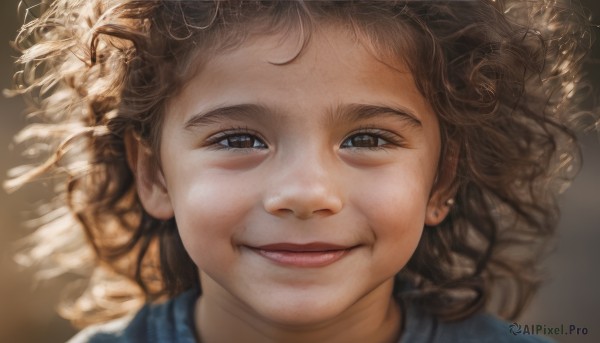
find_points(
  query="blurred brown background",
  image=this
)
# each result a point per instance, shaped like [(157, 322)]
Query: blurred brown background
[(27, 312)]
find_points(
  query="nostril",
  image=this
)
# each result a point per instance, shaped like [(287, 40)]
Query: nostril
[(303, 205), (281, 212)]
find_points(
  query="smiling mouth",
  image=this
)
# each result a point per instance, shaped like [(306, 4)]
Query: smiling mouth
[(311, 255)]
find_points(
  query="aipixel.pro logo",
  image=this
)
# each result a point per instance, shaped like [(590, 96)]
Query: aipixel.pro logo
[(548, 330)]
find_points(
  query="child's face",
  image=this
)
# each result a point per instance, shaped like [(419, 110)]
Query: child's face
[(335, 150)]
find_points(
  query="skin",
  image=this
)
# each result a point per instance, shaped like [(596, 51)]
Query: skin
[(299, 170)]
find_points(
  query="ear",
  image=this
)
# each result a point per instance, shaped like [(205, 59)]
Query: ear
[(149, 180), (444, 188)]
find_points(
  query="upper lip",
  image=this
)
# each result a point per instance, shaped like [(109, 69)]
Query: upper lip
[(306, 247)]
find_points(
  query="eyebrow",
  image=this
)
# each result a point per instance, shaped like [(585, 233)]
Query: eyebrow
[(356, 112), (346, 112), (241, 111)]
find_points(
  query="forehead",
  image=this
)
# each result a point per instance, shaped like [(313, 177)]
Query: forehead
[(329, 51), (288, 72), (386, 35)]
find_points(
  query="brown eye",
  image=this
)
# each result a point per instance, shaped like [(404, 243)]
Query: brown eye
[(363, 141), (242, 141)]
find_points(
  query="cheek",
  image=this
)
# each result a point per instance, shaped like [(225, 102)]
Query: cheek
[(209, 210), (394, 195), (394, 205)]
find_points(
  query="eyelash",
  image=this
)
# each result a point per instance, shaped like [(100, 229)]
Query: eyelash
[(214, 141), (389, 137)]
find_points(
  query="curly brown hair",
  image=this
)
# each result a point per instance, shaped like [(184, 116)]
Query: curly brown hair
[(502, 76)]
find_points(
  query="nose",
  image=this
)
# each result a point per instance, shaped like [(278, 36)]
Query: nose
[(303, 189)]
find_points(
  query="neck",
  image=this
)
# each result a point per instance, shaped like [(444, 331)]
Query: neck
[(374, 318)]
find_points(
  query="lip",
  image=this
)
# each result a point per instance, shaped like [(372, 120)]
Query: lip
[(310, 255)]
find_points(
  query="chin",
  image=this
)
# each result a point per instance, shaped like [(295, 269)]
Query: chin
[(297, 312)]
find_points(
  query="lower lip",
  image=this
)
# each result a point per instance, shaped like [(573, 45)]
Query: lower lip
[(306, 259)]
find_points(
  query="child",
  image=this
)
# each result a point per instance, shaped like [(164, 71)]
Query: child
[(288, 171)]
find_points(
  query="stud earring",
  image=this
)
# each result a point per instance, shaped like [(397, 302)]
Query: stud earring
[(450, 202)]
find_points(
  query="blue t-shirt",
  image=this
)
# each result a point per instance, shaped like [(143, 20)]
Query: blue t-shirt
[(173, 322)]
